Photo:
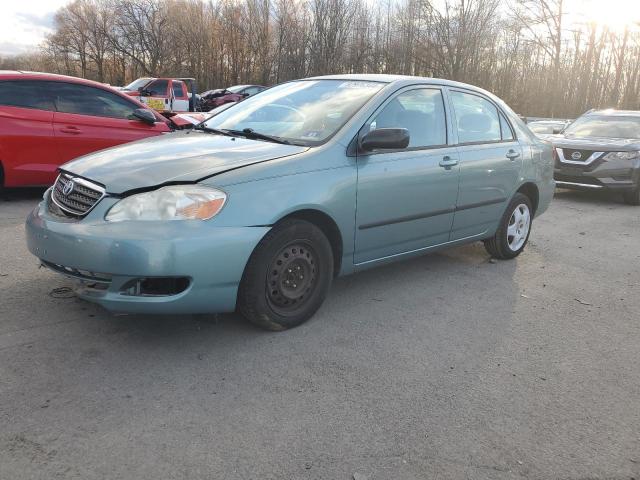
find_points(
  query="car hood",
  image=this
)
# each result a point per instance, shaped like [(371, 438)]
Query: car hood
[(595, 143), (173, 158)]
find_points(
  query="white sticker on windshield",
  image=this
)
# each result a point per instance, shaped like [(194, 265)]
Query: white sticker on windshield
[(359, 85)]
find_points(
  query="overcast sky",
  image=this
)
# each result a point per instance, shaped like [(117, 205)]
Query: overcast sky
[(24, 23)]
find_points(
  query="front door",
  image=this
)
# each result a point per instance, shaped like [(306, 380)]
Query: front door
[(490, 163), (158, 95), (406, 198), (88, 119)]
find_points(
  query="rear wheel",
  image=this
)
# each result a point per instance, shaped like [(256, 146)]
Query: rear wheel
[(513, 232), (287, 277), (632, 197)]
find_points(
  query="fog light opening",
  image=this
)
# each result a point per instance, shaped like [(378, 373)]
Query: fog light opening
[(155, 286)]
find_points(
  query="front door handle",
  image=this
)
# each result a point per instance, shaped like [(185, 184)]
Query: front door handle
[(448, 162), (512, 154), (71, 129)]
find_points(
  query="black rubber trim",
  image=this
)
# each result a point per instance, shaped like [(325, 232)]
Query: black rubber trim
[(435, 213), (408, 218), (480, 204)]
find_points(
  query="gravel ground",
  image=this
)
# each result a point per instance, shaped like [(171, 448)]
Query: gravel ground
[(445, 367)]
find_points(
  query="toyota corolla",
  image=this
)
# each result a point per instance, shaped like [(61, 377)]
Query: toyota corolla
[(260, 207)]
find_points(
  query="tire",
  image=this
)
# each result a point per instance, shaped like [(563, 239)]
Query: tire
[(513, 232), (287, 276), (632, 197)]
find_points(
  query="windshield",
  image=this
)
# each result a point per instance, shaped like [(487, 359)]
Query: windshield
[(235, 88), (305, 112), (136, 84), (605, 126)]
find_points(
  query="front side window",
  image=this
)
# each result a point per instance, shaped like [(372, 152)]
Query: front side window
[(421, 112), (136, 84), (158, 88), (605, 126), (305, 112), (477, 118), (86, 100), (26, 94)]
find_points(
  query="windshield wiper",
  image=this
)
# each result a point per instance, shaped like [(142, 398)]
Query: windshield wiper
[(252, 134), (218, 131)]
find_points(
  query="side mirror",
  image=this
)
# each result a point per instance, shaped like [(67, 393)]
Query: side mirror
[(143, 92), (385, 138), (145, 116)]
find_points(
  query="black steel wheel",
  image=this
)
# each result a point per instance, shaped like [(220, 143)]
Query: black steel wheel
[(287, 277)]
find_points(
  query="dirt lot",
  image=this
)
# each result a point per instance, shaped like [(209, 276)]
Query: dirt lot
[(446, 367)]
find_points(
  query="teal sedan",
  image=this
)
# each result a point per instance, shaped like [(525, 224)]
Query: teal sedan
[(260, 207)]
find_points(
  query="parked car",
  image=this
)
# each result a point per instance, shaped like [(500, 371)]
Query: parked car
[(256, 210), (545, 128), (601, 150), (214, 98), (165, 94), (47, 120)]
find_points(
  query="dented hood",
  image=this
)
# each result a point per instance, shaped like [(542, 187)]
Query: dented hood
[(173, 158)]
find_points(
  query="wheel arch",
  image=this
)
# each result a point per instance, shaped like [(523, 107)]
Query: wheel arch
[(328, 226), (530, 189)]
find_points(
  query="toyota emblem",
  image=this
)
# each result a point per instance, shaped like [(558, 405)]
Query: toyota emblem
[(68, 188), (576, 156)]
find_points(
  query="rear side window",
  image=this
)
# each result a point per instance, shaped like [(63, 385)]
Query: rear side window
[(26, 94), (158, 88), (85, 100), (477, 118), (421, 111), (178, 89)]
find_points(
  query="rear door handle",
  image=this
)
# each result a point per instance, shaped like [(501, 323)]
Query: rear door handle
[(71, 129), (512, 154), (448, 162)]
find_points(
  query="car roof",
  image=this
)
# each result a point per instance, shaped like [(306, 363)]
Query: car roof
[(25, 75), (401, 80), (615, 113)]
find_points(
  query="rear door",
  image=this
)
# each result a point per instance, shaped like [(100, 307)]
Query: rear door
[(90, 118), (490, 163), (27, 144)]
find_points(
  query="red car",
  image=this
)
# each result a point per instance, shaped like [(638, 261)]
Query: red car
[(47, 120)]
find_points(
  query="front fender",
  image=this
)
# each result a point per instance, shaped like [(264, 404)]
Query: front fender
[(264, 202)]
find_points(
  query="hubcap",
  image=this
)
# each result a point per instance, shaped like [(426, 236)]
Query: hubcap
[(518, 227), (291, 277)]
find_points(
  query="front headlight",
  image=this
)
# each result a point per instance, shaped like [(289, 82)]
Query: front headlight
[(176, 202), (622, 155)]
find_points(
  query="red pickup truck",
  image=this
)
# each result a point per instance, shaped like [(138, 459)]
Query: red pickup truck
[(164, 94)]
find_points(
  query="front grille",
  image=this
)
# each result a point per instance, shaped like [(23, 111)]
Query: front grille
[(76, 196), (584, 154)]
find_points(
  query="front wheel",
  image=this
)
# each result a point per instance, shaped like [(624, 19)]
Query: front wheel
[(287, 277), (513, 232)]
